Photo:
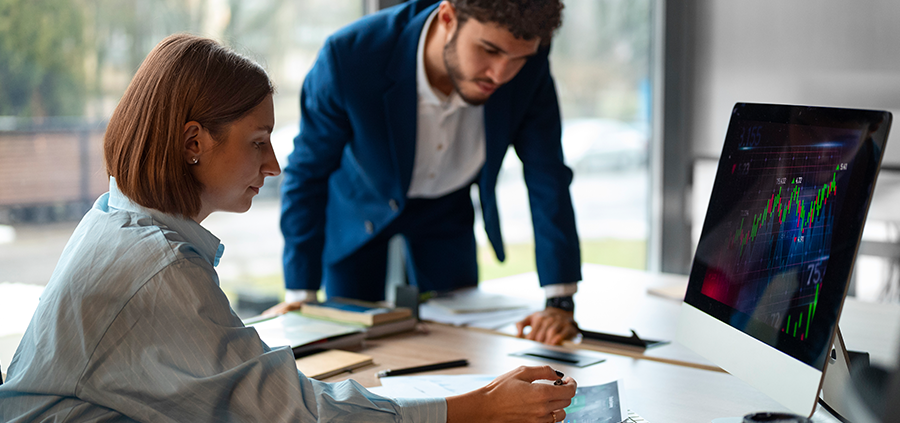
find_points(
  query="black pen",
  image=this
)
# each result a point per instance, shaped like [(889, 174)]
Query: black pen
[(425, 368)]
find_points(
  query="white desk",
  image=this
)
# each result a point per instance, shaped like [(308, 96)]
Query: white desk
[(614, 300), (17, 303), (658, 392)]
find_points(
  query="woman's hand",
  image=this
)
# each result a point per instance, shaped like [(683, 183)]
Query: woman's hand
[(513, 397)]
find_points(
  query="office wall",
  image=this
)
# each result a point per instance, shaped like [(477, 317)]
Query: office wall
[(819, 52), (719, 52)]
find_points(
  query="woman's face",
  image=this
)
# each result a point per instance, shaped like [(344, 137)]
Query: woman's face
[(232, 169)]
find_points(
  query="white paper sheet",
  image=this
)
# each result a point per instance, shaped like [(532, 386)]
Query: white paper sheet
[(430, 386)]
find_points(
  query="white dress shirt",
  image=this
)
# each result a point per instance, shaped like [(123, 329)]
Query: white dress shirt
[(449, 136)]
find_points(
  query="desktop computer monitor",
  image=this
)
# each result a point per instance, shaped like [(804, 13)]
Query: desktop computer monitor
[(775, 254)]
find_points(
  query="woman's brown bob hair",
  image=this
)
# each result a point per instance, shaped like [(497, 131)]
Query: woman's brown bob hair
[(185, 78)]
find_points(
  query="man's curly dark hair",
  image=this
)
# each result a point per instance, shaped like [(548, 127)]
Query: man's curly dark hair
[(525, 19)]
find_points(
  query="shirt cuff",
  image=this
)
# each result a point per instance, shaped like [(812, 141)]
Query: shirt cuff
[(560, 290), (426, 410), (302, 295)]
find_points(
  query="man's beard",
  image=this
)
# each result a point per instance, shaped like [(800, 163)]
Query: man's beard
[(451, 62)]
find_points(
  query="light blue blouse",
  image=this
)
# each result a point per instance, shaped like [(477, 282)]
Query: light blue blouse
[(133, 326)]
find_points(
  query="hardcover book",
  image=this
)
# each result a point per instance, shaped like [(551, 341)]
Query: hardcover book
[(366, 313)]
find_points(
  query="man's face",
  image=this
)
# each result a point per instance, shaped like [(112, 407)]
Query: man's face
[(480, 57)]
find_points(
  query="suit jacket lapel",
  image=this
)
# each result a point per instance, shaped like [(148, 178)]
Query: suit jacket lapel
[(496, 130), (497, 136)]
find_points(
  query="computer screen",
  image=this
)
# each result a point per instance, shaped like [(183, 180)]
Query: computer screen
[(775, 254)]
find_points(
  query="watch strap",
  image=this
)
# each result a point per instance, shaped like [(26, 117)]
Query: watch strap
[(566, 303)]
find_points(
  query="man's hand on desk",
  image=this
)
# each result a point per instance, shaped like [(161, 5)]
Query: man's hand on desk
[(282, 308), (293, 300), (551, 326), (513, 397)]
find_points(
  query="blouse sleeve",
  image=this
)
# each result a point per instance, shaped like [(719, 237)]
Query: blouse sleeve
[(177, 352)]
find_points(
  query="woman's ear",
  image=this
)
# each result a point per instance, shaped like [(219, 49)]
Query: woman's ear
[(193, 148)]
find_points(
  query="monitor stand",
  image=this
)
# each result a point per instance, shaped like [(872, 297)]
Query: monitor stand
[(832, 396)]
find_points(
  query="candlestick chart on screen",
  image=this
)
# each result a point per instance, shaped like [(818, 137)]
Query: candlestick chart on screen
[(776, 240)]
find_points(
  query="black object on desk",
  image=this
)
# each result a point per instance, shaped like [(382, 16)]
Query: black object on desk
[(775, 418), (633, 340), (425, 368), (579, 359), (407, 296)]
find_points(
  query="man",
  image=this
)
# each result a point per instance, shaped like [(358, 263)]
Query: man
[(403, 111)]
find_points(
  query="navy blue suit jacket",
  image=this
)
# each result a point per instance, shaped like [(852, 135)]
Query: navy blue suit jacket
[(353, 159)]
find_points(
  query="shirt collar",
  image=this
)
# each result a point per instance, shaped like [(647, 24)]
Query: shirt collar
[(427, 93), (209, 247)]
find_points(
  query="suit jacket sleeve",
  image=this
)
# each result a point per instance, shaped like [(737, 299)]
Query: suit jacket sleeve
[(538, 144), (324, 132)]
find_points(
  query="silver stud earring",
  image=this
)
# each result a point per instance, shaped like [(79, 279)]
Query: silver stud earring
[(195, 160)]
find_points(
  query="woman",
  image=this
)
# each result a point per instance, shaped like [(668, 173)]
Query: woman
[(133, 326)]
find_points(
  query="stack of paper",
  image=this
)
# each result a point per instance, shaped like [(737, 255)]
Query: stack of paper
[(477, 308), (477, 301)]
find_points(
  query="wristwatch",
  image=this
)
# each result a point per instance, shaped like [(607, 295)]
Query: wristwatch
[(565, 303)]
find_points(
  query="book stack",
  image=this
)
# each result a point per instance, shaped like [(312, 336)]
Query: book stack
[(373, 319)]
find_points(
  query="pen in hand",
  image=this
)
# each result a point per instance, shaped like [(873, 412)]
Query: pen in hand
[(557, 382), (425, 368)]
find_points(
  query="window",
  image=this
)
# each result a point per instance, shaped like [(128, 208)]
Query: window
[(600, 60), (64, 64)]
